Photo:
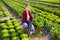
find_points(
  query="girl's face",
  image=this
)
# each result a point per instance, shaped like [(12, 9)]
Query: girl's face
[(28, 7)]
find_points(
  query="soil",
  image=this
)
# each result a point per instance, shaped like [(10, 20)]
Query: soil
[(39, 38)]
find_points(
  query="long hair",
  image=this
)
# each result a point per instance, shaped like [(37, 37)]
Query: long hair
[(28, 5)]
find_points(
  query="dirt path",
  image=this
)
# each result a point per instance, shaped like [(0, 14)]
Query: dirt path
[(17, 18), (39, 38)]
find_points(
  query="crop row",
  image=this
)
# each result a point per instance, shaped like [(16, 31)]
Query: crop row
[(53, 1), (3, 12), (44, 8), (15, 6), (46, 1), (11, 30), (47, 9), (54, 28)]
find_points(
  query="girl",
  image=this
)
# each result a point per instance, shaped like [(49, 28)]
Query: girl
[(27, 19)]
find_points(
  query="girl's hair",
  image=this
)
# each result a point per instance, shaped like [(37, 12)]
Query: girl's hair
[(27, 5)]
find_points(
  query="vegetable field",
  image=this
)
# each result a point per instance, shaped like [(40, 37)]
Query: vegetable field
[(47, 21)]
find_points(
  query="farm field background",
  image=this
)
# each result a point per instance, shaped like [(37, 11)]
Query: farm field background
[(46, 23)]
